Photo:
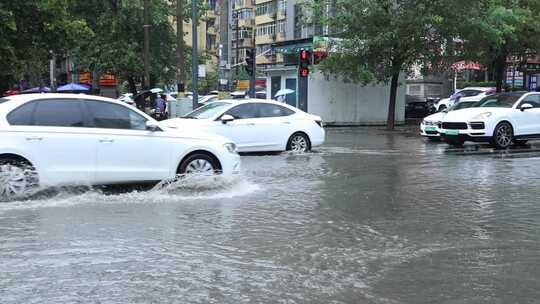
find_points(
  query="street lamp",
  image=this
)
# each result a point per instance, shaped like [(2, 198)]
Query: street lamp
[(194, 54)]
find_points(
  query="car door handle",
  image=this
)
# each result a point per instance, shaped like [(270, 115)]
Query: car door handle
[(287, 122), (106, 140), (34, 138), (250, 124)]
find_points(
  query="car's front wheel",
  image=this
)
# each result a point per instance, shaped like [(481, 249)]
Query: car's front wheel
[(502, 135), (299, 142), (18, 179), (199, 164)]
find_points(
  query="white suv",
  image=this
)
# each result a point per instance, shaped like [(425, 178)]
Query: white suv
[(67, 139), (466, 94), (500, 119)]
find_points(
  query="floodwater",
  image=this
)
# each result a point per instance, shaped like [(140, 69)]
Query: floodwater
[(371, 217)]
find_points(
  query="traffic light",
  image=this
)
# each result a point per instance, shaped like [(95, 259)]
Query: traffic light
[(305, 61), (250, 61)]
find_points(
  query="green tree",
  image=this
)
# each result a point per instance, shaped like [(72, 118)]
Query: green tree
[(381, 39), (495, 30), (117, 41), (29, 31)]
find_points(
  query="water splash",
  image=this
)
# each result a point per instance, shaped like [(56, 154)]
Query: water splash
[(186, 188)]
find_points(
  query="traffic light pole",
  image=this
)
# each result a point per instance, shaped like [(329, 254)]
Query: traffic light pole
[(253, 76), (194, 54), (302, 92)]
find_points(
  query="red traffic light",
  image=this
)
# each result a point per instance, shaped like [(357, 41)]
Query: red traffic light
[(304, 72), (304, 55)]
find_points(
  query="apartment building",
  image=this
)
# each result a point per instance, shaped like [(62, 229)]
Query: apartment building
[(208, 32)]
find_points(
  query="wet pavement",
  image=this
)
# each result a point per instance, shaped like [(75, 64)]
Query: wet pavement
[(371, 217)]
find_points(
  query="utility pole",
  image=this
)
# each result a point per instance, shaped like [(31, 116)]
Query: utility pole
[(194, 53), (237, 41), (146, 46), (181, 68), (52, 65)]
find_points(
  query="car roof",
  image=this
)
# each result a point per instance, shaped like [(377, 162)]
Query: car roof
[(253, 100), (17, 100), (483, 89)]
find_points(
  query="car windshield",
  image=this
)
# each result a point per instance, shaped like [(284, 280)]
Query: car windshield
[(462, 105), (499, 101), (208, 111)]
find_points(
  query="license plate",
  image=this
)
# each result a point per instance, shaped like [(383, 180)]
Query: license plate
[(451, 132), (431, 129)]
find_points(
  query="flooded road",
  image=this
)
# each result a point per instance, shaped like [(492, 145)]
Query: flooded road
[(371, 217)]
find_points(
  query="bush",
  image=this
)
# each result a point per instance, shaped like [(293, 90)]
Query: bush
[(464, 84)]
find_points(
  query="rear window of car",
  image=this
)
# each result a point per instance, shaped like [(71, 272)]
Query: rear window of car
[(2, 100), (271, 110), (58, 113), (23, 115)]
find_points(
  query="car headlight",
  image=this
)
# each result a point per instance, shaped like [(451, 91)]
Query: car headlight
[(482, 116), (230, 147)]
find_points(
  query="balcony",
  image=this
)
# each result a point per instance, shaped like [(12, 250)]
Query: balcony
[(281, 15), (244, 4), (244, 43), (246, 23), (280, 37), (264, 19), (265, 39)]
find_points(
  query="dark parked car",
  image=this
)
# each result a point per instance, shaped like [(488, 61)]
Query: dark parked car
[(418, 107)]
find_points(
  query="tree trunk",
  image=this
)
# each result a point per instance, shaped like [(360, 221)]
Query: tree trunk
[(500, 67), (132, 85), (390, 122), (181, 67), (146, 54)]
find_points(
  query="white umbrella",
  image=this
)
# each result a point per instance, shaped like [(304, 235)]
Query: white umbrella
[(284, 92)]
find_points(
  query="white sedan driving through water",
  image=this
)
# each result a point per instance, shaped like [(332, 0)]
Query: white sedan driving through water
[(501, 120), (68, 139), (255, 125)]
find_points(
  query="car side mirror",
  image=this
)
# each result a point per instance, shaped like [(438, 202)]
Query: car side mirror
[(152, 126), (526, 106), (226, 118)]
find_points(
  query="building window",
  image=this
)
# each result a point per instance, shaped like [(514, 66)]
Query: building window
[(280, 26), (245, 14), (244, 33), (265, 9), (210, 42), (282, 6), (212, 4), (238, 3), (266, 29)]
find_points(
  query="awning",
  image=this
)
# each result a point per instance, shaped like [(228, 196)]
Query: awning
[(293, 46)]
